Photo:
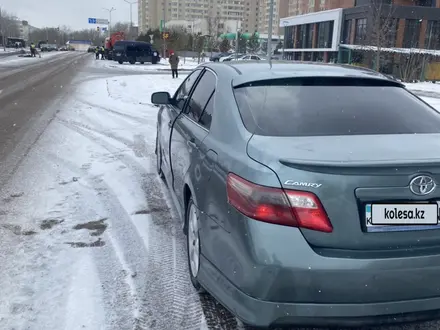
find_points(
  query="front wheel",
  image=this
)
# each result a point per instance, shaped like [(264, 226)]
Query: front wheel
[(193, 244), (142, 62), (120, 62)]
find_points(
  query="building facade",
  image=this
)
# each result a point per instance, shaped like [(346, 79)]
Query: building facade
[(398, 24)]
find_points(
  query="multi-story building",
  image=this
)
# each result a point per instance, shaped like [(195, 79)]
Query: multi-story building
[(201, 15), (300, 7), (361, 25), (152, 12), (280, 9)]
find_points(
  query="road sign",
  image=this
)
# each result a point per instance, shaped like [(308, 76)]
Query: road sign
[(98, 21), (104, 29), (162, 25)]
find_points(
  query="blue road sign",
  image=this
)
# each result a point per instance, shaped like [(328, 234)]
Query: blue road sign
[(103, 29), (92, 20)]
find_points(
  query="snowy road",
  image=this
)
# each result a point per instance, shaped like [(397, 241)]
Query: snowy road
[(89, 238)]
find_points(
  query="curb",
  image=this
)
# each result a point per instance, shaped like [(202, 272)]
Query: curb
[(4, 54)]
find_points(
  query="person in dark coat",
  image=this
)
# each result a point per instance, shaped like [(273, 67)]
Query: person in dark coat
[(174, 63)]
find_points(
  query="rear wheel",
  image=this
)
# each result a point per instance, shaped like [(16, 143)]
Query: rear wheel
[(120, 62), (193, 244)]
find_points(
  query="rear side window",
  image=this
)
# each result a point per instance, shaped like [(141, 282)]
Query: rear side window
[(333, 106), (200, 96)]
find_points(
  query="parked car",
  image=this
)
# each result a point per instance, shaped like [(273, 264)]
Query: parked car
[(134, 51), (308, 192), (230, 57), (247, 58), (216, 58)]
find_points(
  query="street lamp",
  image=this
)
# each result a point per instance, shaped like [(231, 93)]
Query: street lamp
[(110, 18), (285, 23), (131, 3), (269, 34)]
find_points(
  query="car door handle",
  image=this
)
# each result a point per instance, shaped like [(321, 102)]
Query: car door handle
[(192, 144)]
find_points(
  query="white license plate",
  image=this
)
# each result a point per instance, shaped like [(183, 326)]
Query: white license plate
[(402, 216)]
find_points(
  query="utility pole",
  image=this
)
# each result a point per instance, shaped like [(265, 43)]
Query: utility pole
[(269, 34), (163, 34), (110, 19), (131, 3)]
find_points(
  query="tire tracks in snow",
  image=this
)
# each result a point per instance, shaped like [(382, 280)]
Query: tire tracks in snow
[(167, 299), (216, 316), (115, 112)]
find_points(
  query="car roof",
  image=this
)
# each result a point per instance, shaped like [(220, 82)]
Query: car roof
[(246, 72), (131, 42)]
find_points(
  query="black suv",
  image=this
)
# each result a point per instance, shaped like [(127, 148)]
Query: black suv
[(134, 51)]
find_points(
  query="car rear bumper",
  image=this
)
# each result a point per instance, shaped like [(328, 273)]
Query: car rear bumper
[(269, 275), (261, 313)]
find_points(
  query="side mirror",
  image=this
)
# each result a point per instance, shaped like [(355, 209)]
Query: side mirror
[(161, 98)]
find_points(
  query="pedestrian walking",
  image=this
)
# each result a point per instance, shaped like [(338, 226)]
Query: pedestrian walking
[(174, 62)]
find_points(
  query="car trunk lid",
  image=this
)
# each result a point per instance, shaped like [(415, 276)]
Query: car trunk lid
[(348, 174)]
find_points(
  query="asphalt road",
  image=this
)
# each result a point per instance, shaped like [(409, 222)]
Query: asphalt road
[(30, 90)]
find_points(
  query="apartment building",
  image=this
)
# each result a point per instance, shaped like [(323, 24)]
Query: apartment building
[(280, 9), (151, 12), (248, 15), (300, 7)]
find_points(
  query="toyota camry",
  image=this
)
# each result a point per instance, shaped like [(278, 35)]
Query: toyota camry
[(308, 192)]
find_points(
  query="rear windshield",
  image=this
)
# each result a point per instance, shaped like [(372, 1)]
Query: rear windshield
[(332, 107)]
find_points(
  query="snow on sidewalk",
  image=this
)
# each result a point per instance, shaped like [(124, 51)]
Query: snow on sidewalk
[(427, 91), (186, 65), (86, 233)]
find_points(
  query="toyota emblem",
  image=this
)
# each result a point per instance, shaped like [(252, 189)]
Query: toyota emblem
[(422, 185)]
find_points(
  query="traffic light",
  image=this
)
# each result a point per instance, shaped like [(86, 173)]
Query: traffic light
[(166, 35), (97, 28)]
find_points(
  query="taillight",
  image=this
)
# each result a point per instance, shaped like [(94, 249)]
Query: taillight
[(278, 206)]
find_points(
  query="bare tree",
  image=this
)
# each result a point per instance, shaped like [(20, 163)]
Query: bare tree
[(121, 27), (383, 26), (213, 31), (8, 26)]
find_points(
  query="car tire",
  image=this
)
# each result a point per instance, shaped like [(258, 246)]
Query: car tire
[(142, 62), (159, 158), (132, 61), (193, 244), (120, 62)]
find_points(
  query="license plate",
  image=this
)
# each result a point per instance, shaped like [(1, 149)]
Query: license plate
[(118, 54), (400, 217)]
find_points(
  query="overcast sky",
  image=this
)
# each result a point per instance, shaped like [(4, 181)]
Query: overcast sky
[(73, 13)]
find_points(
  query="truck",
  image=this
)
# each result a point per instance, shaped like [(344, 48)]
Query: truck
[(110, 42)]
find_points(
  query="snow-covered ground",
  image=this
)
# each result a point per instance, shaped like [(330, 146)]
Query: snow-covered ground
[(187, 64), (89, 238), (16, 59), (86, 233)]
